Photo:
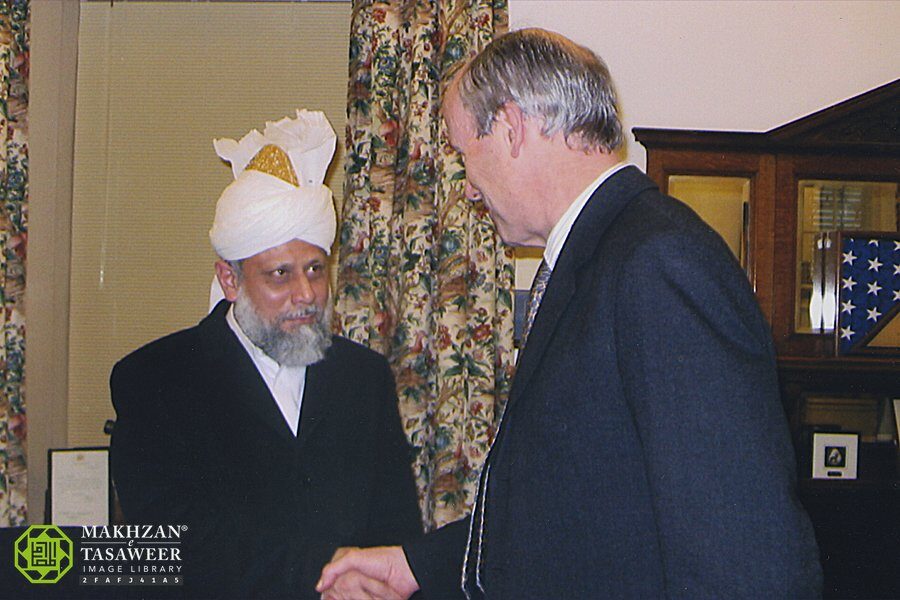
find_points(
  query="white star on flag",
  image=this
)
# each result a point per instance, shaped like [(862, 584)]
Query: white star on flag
[(869, 272)]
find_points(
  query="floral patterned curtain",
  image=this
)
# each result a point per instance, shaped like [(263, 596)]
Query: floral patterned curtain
[(14, 22), (422, 277)]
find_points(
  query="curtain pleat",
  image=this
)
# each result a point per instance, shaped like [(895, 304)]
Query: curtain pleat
[(14, 23), (423, 277)]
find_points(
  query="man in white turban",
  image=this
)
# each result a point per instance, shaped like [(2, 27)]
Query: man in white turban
[(274, 441)]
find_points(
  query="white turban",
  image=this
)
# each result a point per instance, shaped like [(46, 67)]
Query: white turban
[(260, 209)]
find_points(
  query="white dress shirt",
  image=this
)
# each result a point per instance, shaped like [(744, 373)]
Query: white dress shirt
[(285, 383)]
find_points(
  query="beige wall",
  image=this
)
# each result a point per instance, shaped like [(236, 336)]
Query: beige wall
[(157, 82), (51, 116), (124, 176)]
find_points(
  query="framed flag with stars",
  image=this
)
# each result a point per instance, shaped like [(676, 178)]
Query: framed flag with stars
[(868, 293)]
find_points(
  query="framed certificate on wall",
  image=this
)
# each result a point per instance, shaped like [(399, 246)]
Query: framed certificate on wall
[(79, 491)]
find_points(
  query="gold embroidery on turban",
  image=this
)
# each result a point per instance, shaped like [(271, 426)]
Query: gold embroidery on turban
[(272, 160)]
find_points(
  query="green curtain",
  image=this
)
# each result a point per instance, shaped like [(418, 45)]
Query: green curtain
[(422, 276), (14, 23)]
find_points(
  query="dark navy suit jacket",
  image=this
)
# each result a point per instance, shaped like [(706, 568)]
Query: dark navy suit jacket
[(200, 441), (644, 451)]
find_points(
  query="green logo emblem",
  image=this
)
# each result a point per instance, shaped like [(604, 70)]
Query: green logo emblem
[(43, 554)]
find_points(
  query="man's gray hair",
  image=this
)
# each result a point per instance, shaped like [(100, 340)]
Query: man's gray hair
[(238, 267), (547, 76)]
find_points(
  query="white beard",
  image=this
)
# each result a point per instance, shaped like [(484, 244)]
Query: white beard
[(303, 346)]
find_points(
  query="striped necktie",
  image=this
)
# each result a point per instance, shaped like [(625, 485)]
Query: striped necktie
[(538, 286)]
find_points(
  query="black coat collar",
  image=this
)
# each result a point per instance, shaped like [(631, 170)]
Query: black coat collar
[(238, 380)]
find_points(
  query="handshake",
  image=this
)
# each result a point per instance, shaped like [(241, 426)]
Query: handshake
[(380, 573)]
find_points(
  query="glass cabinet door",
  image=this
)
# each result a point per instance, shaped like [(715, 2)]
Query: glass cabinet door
[(723, 202), (833, 205)]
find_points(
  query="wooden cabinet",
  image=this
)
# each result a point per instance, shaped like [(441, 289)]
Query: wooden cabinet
[(774, 196), (771, 195), (838, 169), (676, 156)]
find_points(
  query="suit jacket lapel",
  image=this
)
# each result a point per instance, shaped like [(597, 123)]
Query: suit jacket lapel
[(604, 206), (318, 397), (240, 381)]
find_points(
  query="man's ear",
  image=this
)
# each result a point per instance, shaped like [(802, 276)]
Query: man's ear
[(228, 280), (510, 121)]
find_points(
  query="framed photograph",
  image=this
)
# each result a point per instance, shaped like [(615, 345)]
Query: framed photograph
[(79, 490), (835, 455)]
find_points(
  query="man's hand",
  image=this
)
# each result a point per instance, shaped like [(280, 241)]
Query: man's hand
[(353, 585), (355, 573)]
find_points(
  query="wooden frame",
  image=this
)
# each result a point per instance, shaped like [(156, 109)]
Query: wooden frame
[(862, 346)]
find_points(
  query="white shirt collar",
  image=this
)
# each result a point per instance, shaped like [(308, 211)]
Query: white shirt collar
[(285, 383), (560, 232)]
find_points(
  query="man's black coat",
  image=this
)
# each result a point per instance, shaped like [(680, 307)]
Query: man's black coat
[(200, 441)]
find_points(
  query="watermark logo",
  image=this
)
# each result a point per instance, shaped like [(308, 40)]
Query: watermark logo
[(43, 554), (131, 555)]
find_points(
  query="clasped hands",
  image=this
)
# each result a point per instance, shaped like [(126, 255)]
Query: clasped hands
[(380, 573)]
